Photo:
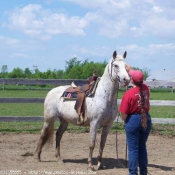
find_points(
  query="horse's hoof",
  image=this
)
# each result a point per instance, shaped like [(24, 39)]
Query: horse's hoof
[(91, 168), (60, 161), (101, 167), (37, 158)]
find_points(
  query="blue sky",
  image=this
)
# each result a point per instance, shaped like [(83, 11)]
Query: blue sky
[(47, 33)]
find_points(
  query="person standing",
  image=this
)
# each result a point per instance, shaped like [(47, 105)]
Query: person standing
[(134, 110)]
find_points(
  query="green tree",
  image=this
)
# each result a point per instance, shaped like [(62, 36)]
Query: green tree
[(4, 71), (16, 73), (146, 73), (76, 69), (59, 74), (27, 73), (89, 68), (38, 74), (71, 65), (75, 72)]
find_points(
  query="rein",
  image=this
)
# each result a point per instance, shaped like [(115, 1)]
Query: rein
[(124, 166)]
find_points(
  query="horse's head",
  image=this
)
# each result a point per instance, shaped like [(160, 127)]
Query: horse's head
[(117, 69)]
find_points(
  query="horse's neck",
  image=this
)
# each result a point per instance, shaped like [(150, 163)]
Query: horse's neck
[(107, 86)]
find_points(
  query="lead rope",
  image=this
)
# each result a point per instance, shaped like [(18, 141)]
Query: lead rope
[(124, 166)]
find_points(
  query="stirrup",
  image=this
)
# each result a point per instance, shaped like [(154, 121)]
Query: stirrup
[(80, 119)]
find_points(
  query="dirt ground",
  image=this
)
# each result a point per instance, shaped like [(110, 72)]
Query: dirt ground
[(16, 155)]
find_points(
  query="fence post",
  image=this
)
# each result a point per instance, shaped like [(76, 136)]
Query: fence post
[(28, 87)]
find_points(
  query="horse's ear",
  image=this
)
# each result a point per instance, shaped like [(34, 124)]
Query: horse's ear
[(114, 54), (124, 55)]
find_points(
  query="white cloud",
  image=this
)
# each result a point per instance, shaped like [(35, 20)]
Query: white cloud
[(34, 21), (150, 49), (9, 41), (111, 29), (161, 46), (105, 25), (160, 27), (163, 49), (19, 55), (103, 4), (115, 18), (147, 56), (157, 9), (110, 18), (90, 51)]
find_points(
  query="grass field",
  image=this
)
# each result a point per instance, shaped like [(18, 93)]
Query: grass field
[(35, 127), (158, 95), (29, 109)]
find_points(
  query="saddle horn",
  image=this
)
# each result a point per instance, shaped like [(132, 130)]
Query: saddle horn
[(114, 54), (124, 55)]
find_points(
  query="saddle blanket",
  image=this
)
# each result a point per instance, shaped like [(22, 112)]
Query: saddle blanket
[(69, 95)]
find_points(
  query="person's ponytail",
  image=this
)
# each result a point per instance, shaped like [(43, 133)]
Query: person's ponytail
[(142, 103)]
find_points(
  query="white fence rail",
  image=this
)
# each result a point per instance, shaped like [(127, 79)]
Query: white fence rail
[(41, 100), (55, 82), (58, 82)]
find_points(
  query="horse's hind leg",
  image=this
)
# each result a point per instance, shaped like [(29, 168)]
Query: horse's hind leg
[(62, 128), (104, 134), (46, 135)]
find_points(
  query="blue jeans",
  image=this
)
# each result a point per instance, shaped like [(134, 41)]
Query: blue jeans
[(136, 138)]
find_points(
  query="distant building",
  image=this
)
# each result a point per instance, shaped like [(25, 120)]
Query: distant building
[(173, 80)]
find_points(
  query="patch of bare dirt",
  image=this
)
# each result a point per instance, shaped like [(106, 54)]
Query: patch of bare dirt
[(16, 155)]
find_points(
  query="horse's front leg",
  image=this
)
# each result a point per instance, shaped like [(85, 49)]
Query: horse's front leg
[(104, 134), (93, 133)]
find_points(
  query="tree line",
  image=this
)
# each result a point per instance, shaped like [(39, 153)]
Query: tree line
[(74, 69)]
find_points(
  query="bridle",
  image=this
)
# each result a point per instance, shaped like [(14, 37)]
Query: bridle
[(110, 75)]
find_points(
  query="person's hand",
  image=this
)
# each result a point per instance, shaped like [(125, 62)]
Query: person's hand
[(127, 67)]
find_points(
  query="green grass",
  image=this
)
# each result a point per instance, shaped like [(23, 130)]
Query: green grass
[(30, 109), (35, 127), (156, 95), (162, 96), (23, 94), (43, 93), (163, 129), (21, 109), (24, 87), (21, 127), (162, 111)]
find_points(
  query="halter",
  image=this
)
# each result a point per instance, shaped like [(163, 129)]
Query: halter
[(110, 75)]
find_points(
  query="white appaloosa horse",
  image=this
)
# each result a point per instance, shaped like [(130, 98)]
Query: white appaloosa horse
[(101, 109)]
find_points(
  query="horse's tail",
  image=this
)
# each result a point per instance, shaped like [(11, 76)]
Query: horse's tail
[(48, 131)]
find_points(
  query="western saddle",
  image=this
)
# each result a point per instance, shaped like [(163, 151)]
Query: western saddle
[(80, 92)]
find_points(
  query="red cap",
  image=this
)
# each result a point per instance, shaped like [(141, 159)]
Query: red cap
[(136, 75)]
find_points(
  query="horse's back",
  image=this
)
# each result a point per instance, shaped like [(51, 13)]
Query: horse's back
[(52, 101), (56, 92)]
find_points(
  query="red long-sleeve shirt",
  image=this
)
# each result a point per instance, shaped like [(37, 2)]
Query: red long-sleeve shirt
[(131, 100)]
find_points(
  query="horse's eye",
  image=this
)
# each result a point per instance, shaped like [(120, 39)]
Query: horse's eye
[(116, 66)]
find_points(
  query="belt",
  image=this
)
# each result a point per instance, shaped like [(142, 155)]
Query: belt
[(137, 113)]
